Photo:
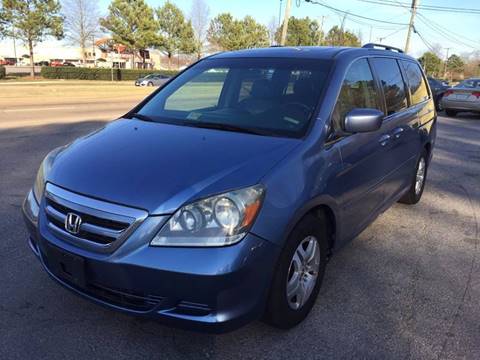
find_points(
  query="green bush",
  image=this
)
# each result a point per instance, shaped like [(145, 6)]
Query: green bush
[(2, 72), (80, 73)]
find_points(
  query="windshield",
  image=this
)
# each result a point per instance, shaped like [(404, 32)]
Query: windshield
[(471, 83), (271, 95)]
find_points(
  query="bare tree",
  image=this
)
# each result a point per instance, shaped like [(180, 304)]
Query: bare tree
[(272, 29), (81, 22), (199, 16)]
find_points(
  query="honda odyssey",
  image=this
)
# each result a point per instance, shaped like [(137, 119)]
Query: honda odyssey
[(219, 198)]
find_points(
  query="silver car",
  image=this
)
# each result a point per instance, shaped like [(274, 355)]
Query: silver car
[(462, 97), (152, 80)]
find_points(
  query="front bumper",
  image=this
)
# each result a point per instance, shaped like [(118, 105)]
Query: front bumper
[(461, 105), (207, 289)]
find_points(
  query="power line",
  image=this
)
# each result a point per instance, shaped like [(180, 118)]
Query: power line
[(425, 7), (438, 28), (444, 32), (353, 14), (427, 44), (433, 23), (391, 34)]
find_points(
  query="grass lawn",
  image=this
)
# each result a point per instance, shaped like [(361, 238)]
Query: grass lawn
[(42, 92)]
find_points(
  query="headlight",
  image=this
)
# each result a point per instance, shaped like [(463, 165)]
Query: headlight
[(42, 173), (216, 221)]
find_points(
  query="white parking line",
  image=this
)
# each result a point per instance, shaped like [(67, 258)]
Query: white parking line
[(41, 109)]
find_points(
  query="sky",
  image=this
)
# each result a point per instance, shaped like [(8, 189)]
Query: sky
[(462, 30)]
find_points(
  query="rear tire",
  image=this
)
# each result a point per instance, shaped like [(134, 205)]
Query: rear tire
[(150, 83), (287, 309), (439, 106), (450, 112), (417, 185)]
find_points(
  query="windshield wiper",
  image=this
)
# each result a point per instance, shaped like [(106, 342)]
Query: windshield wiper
[(141, 117), (227, 127)]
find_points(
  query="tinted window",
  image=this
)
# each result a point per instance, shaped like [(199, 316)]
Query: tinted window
[(392, 83), (264, 95), (358, 91), (416, 82)]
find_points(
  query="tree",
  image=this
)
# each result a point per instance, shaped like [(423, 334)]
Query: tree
[(227, 33), (176, 34), (337, 36), (301, 32), (455, 64), (199, 15), (81, 22), (272, 30), (132, 23), (431, 63), (33, 20)]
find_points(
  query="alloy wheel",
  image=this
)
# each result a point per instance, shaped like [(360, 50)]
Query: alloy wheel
[(303, 272), (420, 177)]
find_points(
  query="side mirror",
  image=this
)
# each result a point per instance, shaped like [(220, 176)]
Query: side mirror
[(363, 120)]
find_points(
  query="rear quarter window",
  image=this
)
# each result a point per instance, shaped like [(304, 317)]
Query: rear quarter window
[(391, 81), (416, 82)]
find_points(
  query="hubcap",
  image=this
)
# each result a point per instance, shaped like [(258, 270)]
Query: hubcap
[(303, 272), (420, 176)]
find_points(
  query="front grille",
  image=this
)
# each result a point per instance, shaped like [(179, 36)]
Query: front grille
[(93, 228), (102, 224)]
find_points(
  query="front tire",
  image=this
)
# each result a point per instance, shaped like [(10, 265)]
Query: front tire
[(150, 83), (299, 274), (415, 191), (450, 112)]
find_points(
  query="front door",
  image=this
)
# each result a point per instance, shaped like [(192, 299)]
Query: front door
[(364, 155)]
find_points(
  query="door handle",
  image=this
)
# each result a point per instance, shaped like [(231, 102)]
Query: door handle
[(398, 132), (384, 139)]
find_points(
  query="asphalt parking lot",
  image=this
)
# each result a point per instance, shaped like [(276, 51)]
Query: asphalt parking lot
[(407, 287)]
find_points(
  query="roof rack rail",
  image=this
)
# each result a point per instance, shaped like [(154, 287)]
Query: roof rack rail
[(385, 47)]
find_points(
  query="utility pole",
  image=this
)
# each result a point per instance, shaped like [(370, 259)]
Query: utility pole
[(285, 22), (14, 46), (410, 26), (445, 64), (280, 14), (320, 31)]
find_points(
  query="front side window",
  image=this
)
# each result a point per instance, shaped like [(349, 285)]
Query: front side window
[(268, 96), (416, 82), (392, 84), (358, 91)]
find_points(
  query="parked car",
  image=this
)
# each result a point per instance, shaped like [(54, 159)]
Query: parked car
[(462, 97), (56, 63), (68, 64), (438, 88), (7, 62), (152, 80), (219, 198), (42, 63)]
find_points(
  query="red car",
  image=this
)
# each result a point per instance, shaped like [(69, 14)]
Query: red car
[(7, 62)]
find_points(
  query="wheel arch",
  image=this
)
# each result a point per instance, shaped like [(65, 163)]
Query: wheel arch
[(325, 210)]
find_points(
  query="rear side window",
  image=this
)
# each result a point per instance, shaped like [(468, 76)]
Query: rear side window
[(358, 91), (416, 82), (392, 83)]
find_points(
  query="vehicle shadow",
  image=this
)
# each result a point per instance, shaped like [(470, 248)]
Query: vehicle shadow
[(407, 287)]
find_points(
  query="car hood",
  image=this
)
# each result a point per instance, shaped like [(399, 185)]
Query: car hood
[(158, 167)]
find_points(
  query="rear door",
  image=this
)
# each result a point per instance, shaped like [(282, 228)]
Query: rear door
[(400, 127)]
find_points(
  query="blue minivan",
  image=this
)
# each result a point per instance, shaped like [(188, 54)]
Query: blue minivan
[(219, 198)]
